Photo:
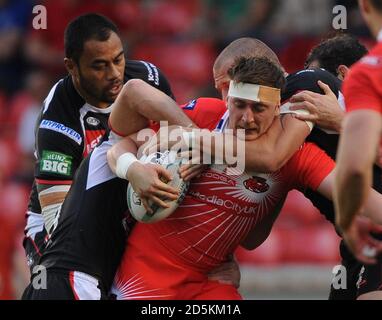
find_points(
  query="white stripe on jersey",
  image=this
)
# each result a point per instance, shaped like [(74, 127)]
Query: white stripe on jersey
[(88, 107), (50, 96), (99, 170), (53, 189), (222, 122), (134, 288), (85, 286), (35, 224)]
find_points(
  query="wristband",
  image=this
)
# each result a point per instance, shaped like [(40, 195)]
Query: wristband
[(189, 137), (123, 164)]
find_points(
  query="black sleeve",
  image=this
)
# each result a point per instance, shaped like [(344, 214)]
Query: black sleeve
[(164, 85), (59, 140)]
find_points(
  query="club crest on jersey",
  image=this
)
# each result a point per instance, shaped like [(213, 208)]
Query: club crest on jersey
[(55, 162), (92, 121), (59, 127), (256, 184)]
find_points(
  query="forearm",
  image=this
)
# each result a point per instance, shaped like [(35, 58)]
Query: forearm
[(337, 123), (269, 152), (126, 144), (373, 207), (355, 157), (138, 103), (352, 189)]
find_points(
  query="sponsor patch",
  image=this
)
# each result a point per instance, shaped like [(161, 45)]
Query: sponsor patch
[(59, 127), (93, 121), (190, 105), (55, 162), (152, 72)]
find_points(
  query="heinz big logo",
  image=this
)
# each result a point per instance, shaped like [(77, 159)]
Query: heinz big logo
[(55, 162)]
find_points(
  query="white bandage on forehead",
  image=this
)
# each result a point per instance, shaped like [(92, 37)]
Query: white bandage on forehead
[(254, 92)]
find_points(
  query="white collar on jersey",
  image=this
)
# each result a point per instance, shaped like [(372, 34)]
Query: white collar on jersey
[(379, 36)]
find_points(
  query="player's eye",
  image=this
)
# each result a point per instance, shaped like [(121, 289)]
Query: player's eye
[(258, 108), (240, 105), (118, 61), (98, 67)]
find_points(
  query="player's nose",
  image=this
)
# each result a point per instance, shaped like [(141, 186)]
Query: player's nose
[(114, 73), (248, 116)]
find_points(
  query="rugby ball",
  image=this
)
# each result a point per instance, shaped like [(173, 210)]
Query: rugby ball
[(170, 161)]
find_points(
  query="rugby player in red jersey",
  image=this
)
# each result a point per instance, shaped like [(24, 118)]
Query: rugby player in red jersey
[(171, 259), (359, 144)]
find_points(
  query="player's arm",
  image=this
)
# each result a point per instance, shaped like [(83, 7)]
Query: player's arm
[(148, 180), (58, 157), (269, 152), (265, 154), (137, 103), (357, 235), (356, 154)]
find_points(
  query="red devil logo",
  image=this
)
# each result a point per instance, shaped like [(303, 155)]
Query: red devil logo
[(256, 184)]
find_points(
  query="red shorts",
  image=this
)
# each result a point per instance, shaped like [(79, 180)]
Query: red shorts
[(147, 273)]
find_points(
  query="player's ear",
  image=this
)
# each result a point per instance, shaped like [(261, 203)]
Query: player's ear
[(226, 100), (71, 66), (342, 71), (277, 110), (364, 5)]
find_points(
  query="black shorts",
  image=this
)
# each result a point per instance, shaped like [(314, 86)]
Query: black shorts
[(353, 268), (63, 285), (370, 276), (360, 278), (34, 240)]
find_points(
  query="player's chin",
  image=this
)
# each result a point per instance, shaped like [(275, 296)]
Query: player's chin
[(251, 135), (110, 97), (113, 93)]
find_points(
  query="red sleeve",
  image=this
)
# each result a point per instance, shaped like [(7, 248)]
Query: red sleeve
[(362, 88), (309, 166), (205, 112)]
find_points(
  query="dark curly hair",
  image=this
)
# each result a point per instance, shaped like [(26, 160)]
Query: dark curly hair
[(332, 52)]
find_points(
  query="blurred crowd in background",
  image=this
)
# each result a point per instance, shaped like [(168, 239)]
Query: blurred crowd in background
[(182, 38)]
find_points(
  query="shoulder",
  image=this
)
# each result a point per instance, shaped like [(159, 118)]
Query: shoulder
[(366, 68), (205, 104), (60, 114), (62, 98), (205, 112), (364, 80), (209, 107), (307, 80), (149, 73)]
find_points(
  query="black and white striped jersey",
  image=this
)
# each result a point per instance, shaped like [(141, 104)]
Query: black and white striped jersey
[(69, 128), (89, 232)]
